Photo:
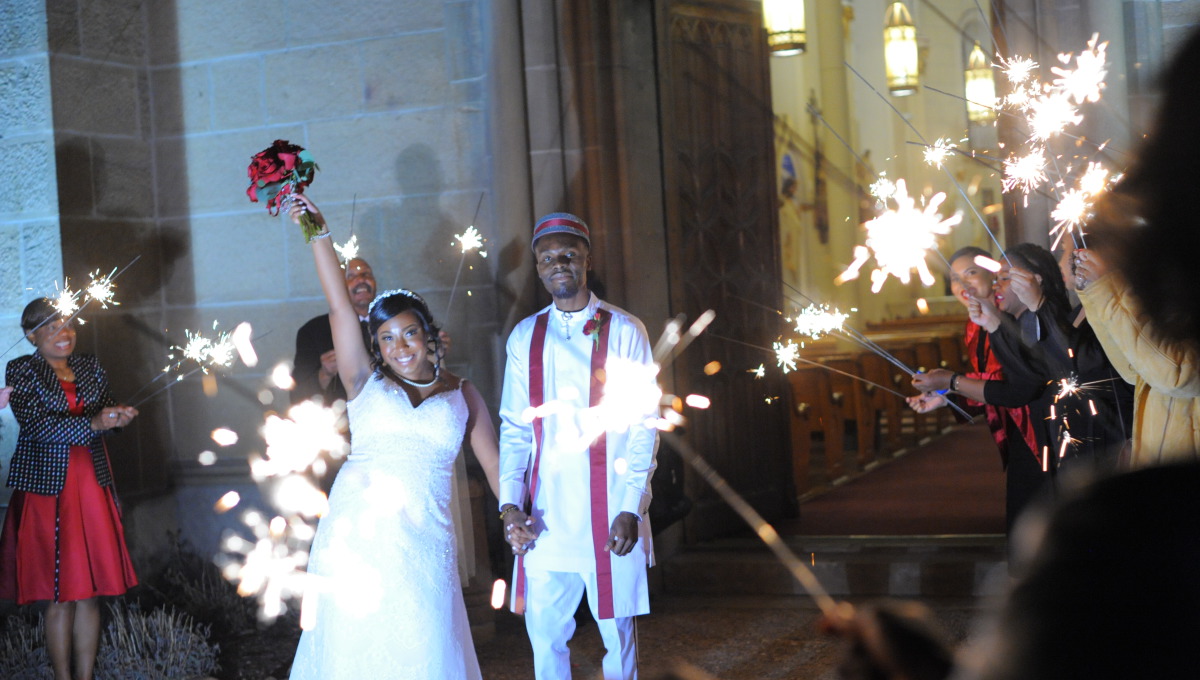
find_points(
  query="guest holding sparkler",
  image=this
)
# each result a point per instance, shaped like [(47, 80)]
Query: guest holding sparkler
[(1007, 406), (574, 492), (1138, 284), (62, 540), (383, 562), (1163, 370)]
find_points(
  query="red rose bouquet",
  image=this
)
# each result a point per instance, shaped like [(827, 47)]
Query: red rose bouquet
[(279, 171)]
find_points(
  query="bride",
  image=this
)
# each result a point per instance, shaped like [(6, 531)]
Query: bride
[(383, 562)]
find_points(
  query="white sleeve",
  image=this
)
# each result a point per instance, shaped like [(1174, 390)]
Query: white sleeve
[(642, 442), (516, 435)]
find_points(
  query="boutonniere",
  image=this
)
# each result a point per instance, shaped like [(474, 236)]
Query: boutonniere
[(592, 328)]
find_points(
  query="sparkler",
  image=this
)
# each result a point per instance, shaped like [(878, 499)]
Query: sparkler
[(786, 355), (469, 240), (1026, 172), (899, 239), (205, 353), (66, 302), (883, 188), (937, 153), (100, 289), (349, 250), (1084, 82), (816, 321), (949, 175)]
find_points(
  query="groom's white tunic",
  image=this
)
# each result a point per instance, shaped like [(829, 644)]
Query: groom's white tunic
[(562, 509)]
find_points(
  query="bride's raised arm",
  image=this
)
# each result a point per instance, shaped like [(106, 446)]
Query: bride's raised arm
[(353, 361)]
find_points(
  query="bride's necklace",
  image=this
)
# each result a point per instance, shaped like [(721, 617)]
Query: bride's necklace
[(431, 383)]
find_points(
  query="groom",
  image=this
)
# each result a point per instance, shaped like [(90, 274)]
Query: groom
[(587, 528)]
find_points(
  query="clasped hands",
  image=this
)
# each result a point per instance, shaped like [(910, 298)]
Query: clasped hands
[(520, 533)]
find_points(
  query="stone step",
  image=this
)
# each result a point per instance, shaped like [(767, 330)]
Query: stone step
[(847, 566)]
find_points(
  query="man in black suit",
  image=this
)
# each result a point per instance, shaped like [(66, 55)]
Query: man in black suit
[(315, 366)]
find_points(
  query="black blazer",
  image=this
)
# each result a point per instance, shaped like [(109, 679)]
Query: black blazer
[(48, 430), (312, 340)]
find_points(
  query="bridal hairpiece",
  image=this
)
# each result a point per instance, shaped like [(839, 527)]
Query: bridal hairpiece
[(395, 291)]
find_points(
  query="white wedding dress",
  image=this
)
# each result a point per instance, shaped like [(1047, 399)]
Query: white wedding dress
[(389, 603)]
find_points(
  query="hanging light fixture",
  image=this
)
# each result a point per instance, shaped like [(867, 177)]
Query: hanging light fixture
[(900, 50), (981, 87), (785, 26)]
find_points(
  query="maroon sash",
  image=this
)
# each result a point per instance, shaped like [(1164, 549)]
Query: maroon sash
[(597, 457)]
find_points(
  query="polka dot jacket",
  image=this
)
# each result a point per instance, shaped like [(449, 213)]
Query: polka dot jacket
[(47, 429)]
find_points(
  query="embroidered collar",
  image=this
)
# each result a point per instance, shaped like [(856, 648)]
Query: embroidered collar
[(568, 321)]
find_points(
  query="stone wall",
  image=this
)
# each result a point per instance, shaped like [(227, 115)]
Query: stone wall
[(127, 126), (30, 252)]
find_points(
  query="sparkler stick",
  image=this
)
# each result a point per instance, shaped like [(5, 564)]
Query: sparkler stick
[(949, 174), (166, 387), (799, 570), (469, 240), (812, 363)]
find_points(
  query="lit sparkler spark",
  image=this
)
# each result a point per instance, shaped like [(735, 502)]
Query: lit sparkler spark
[(988, 263), (1084, 82), (349, 250), (899, 240), (1017, 69), (65, 302), (759, 372), (272, 566), (205, 352), (786, 355), (296, 442), (1069, 214), (883, 188), (470, 239), (101, 289), (1027, 172), (1094, 180), (816, 321), (1050, 114), (937, 153), (1067, 387)]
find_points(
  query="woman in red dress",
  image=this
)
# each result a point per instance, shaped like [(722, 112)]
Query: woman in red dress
[(62, 539)]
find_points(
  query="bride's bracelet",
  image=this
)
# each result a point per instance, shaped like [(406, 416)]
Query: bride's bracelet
[(324, 234), (506, 510)]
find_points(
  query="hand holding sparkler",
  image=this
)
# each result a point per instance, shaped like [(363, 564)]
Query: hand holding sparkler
[(1027, 286), (1089, 267), (983, 313), (937, 380), (112, 417), (926, 402)]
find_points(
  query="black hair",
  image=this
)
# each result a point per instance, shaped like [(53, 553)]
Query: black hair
[(37, 313), (973, 251), (1153, 208), (390, 306), (1038, 260)]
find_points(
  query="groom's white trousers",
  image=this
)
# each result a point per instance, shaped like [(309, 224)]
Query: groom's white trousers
[(551, 598)]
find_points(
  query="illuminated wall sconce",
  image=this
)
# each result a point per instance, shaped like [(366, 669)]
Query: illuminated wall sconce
[(981, 87), (785, 26), (900, 50)]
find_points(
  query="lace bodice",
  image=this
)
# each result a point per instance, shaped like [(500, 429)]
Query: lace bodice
[(384, 555)]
